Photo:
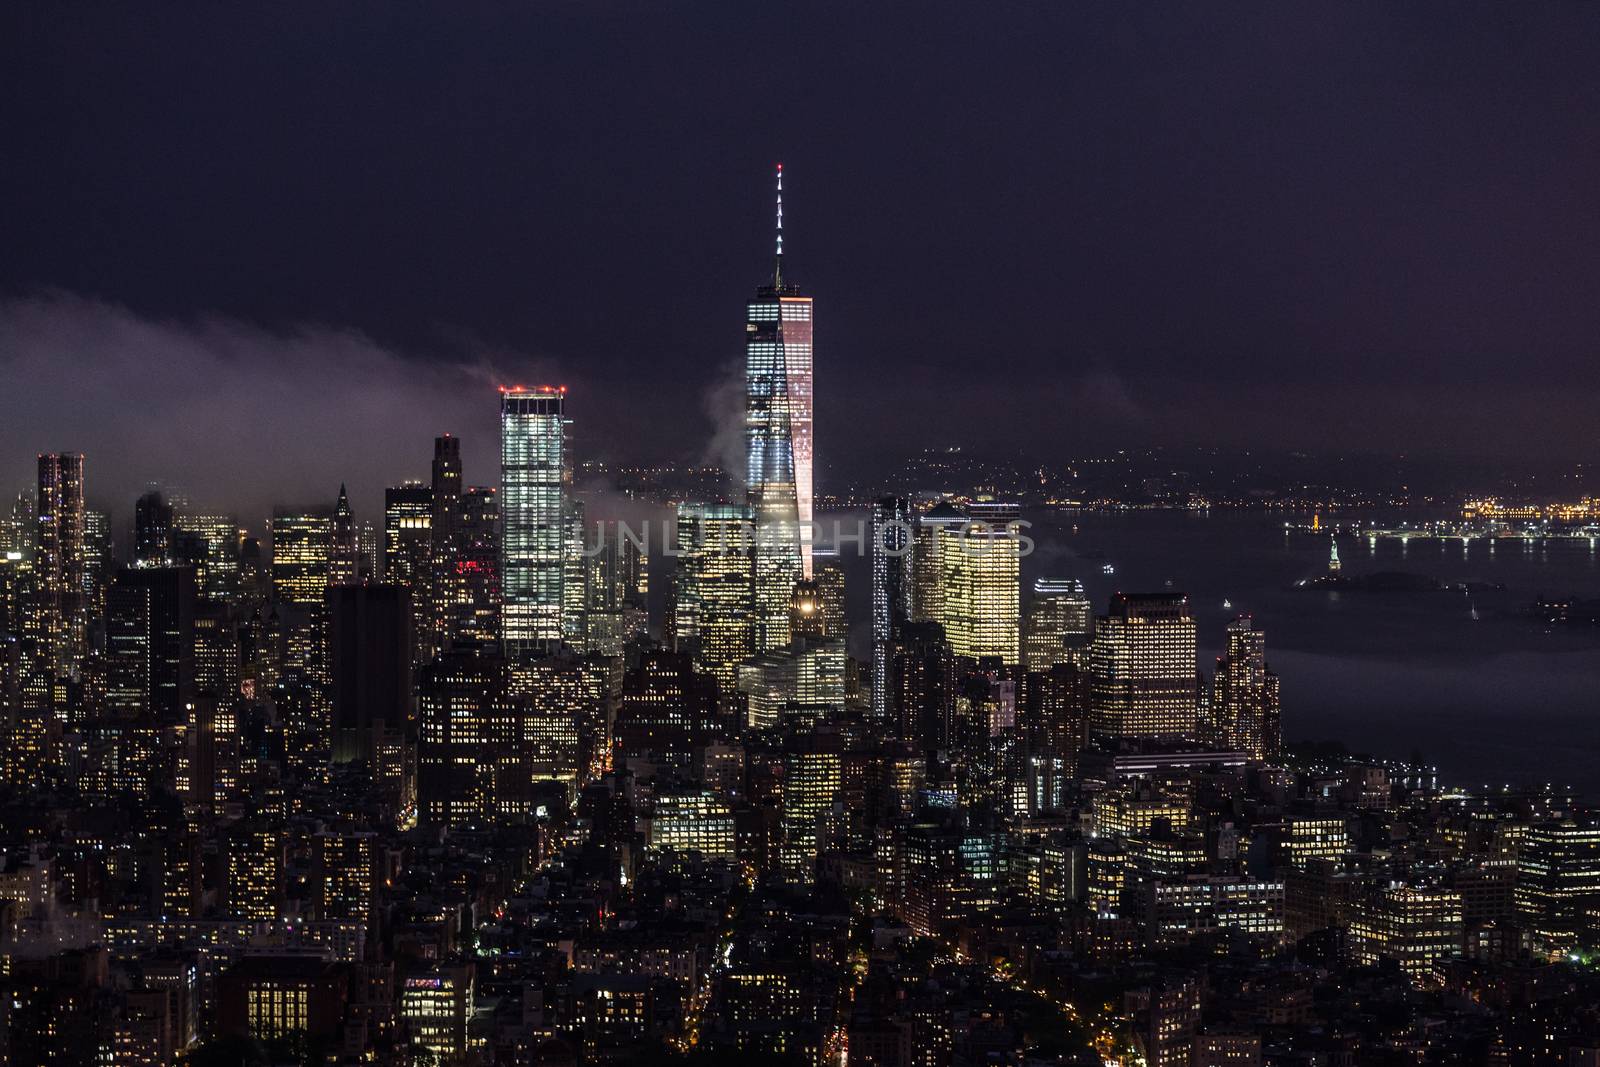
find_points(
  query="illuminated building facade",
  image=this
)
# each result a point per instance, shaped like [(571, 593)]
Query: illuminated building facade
[(813, 766), (778, 410), (464, 717), (805, 680), (302, 556), (59, 561), (444, 580), (217, 569), (927, 572), (474, 615), (1245, 694), (533, 434), (344, 561), (435, 1008), (1558, 872), (693, 822), (408, 547), (1415, 927), (981, 601), (1142, 664), (711, 611), (1057, 625)]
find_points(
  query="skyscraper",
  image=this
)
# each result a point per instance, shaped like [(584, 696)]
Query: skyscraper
[(59, 564), (778, 360), (444, 579), (1142, 664), (152, 529), (344, 562), (302, 556), (150, 642), (1244, 702), (407, 547), (891, 588), (980, 596), (369, 654), (474, 616), (1057, 626), (533, 432), (711, 594)]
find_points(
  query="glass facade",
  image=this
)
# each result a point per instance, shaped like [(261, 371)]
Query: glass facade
[(532, 472)]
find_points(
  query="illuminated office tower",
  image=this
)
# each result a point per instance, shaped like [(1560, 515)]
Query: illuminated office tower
[(804, 681), (574, 573), (407, 548), (711, 616), (302, 556), (98, 557), (778, 337), (1244, 696), (436, 1007), (1558, 875), (344, 560), (692, 821), (444, 585), (927, 572), (1412, 926), (813, 766), (891, 588), (1057, 626), (150, 641), (463, 716), (217, 570), (827, 571), (1142, 666), (533, 434), (59, 564), (982, 596), (152, 530), (216, 650), (606, 623)]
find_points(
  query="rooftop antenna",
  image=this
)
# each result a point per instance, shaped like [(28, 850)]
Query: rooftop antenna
[(777, 267)]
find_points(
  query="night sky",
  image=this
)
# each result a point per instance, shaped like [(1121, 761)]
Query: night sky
[(260, 248)]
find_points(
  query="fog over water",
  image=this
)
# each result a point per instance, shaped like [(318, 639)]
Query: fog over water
[(1498, 698)]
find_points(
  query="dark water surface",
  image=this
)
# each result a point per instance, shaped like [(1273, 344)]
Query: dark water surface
[(1496, 699)]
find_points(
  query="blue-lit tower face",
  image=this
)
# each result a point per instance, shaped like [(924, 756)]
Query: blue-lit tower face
[(532, 465), (778, 333)]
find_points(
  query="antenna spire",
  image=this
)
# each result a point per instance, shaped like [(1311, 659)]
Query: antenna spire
[(777, 267)]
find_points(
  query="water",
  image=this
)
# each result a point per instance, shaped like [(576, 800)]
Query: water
[(1496, 699)]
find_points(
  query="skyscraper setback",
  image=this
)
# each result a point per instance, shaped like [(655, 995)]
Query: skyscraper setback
[(778, 360)]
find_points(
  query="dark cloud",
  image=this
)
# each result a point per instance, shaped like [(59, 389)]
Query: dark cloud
[(1036, 224), (239, 416)]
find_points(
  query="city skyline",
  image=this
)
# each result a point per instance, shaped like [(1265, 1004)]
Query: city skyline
[(1152, 619), (1113, 281)]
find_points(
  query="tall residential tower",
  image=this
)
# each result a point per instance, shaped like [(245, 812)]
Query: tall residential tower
[(533, 435)]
